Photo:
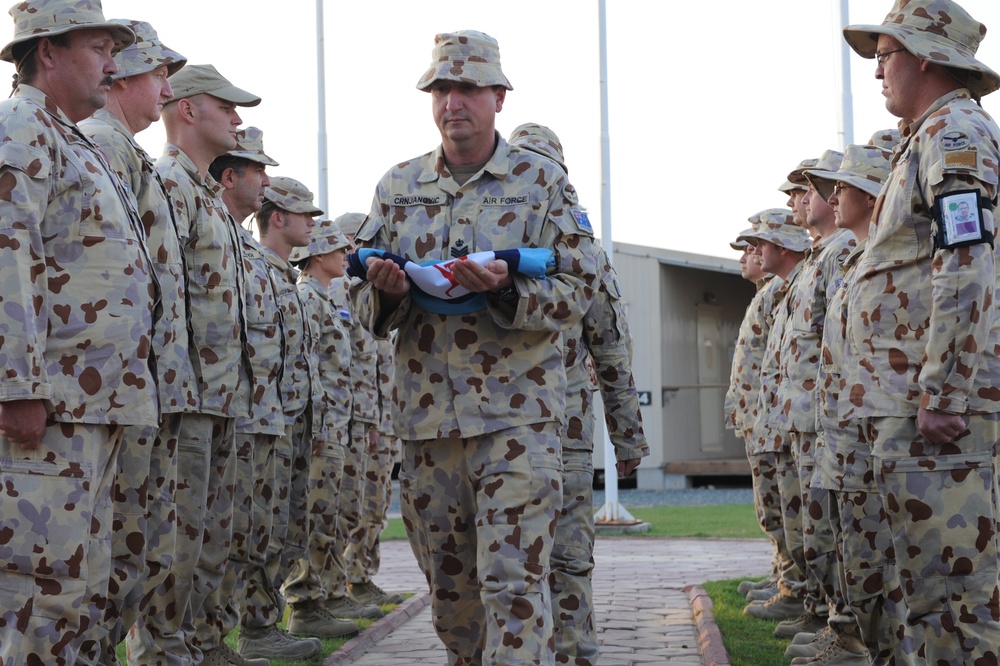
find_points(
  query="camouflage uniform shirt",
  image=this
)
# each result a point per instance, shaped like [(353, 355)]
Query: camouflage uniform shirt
[(333, 402), (300, 374), (500, 367), (175, 374), (77, 292), (364, 361), (744, 380), (922, 319)]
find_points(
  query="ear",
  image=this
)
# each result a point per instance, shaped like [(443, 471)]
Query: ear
[(501, 96), (46, 52), (227, 178)]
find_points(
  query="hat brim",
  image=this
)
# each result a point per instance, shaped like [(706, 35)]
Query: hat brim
[(123, 36), (237, 96), (254, 157), (481, 75), (825, 181), (864, 40)]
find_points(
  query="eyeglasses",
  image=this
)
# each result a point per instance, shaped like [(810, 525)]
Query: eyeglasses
[(882, 57), (840, 187)]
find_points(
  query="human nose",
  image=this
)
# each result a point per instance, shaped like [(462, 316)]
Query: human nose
[(237, 121)]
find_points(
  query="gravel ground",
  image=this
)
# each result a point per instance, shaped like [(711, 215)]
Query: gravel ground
[(633, 497)]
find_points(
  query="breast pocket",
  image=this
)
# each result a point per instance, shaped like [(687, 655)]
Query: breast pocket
[(507, 226), (87, 187)]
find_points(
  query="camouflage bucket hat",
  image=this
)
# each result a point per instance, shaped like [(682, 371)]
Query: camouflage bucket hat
[(47, 18), (146, 54), (863, 167), (205, 79), (466, 56), (250, 146), (539, 139), (778, 227), (325, 237), (741, 243), (887, 138), (349, 223), (795, 180), (291, 195), (938, 31)]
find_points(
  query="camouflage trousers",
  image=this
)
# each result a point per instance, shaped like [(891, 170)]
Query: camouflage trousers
[(264, 605), (767, 505), (322, 570), (363, 561), (145, 528), (56, 521), (792, 579), (206, 473), (354, 522), (480, 515), (820, 525), (251, 521), (941, 503)]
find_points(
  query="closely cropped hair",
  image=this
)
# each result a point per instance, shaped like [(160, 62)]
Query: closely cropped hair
[(263, 216), (223, 162)]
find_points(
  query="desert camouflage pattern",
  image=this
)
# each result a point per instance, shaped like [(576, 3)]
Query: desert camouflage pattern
[(145, 519), (483, 379), (917, 315), (524, 496), (323, 560), (55, 246), (214, 271), (744, 379), (601, 340), (300, 373), (146, 54), (923, 322), (767, 504), (465, 56), (40, 18)]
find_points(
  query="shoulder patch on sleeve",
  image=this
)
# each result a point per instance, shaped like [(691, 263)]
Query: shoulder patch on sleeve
[(964, 159), (955, 140), (582, 221)]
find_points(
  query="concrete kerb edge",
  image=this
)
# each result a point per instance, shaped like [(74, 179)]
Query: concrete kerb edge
[(713, 651), (356, 647)]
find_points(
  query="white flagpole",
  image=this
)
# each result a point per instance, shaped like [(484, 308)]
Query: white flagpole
[(321, 103)]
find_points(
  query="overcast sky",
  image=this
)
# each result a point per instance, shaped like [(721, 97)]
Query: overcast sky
[(710, 105)]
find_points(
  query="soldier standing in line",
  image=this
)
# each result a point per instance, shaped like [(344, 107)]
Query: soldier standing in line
[(145, 509), (77, 362), (480, 391), (367, 487), (603, 337), (321, 573), (201, 121), (243, 175), (922, 319), (741, 406)]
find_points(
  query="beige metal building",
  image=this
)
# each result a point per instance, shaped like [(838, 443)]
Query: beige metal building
[(684, 312)]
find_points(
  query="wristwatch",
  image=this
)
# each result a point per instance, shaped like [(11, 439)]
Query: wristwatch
[(508, 295)]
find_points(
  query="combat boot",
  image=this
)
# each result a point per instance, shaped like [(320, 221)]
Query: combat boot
[(748, 585), (778, 607), (347, 607), (311, 619), (273, 643), (807, 622), (226, 656), (810, 645), (843, 651), (762, 593), (370, 594)]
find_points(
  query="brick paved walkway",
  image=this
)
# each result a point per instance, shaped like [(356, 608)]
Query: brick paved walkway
[(643, 613)]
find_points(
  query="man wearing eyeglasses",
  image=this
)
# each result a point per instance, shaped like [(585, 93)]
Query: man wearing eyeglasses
[(921, 317)]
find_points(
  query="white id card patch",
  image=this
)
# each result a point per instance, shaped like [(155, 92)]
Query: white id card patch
[(960, 220)]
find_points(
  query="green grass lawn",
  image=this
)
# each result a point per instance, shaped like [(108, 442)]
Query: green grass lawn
[(747, 639)]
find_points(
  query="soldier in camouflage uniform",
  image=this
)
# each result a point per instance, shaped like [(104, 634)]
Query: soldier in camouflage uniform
[(923, 321), (779, 244), (741, 401), (145, 520), (322, 573), (243, 175), (201, 121), (77, 362), (851, 191), (479, 392), (365, 491), (602, 337)]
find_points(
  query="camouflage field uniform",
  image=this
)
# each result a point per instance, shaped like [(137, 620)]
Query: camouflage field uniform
[(366, 416), (255, 493), (844, 466), (322, 571), (145, 510), (777, 443), (922, 322), (741, 409), (796, 414), (478, 396), (67, 224), (603, 334), (206, 469)]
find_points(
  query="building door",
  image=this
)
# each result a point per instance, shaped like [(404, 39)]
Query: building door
[(712, 376)]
